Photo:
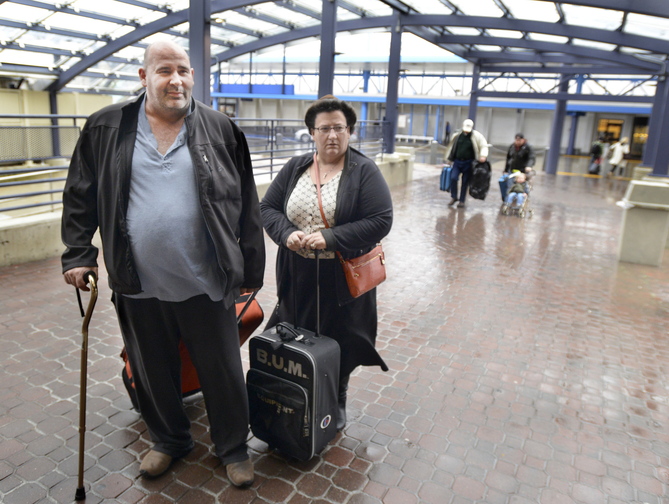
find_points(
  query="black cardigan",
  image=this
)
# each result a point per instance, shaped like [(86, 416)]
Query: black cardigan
[(364, 212)]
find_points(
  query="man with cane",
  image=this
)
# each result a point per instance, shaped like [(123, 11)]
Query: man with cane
[(169, 184)]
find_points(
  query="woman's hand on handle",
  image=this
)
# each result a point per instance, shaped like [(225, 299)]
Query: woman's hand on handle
[(294, 241), (314, 241)]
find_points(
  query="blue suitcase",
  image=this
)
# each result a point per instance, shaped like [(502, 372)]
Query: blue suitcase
[(445, 181), (504, 182)]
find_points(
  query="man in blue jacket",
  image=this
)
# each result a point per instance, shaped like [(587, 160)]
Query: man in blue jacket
[(169, 184)]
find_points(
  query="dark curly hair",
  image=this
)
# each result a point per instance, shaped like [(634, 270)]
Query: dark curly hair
[(329, 103)]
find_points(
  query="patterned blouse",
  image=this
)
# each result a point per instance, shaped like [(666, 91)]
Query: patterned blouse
[(302, 209)]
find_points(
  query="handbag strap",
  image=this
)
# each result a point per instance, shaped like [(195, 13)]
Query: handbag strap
[(320, 202)]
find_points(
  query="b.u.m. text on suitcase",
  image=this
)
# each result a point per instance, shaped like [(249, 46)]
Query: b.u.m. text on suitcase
[(292, 386)]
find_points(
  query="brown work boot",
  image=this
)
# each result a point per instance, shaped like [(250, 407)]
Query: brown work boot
[(453, 200), (154, 464), (240, 474)]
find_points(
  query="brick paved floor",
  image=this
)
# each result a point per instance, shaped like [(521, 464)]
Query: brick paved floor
[(527, 366)]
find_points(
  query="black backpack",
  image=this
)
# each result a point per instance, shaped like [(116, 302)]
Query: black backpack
[(480, 181)]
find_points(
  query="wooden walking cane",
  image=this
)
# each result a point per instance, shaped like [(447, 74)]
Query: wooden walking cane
[(90, 278)]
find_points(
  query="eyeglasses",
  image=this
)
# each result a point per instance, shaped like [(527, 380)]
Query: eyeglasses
[(325, 130)]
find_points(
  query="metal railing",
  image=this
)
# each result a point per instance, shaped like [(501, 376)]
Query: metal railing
[(38, 155)]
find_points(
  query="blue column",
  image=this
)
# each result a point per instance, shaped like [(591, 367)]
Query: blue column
[(427, 120), (328, 33), (573, 130), (55, 133), (556, 133), (580, 79), (390, 124), (473, 97), (366, 74), (655, 121), (661, 162), (437, 124), (199, 39)]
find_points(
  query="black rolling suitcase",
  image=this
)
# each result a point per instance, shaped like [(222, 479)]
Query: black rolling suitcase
[(293, 385)]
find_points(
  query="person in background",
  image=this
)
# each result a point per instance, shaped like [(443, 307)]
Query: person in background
[(169, 183), (447, 133), (467, 146), (520, 156), (617, 155), (358, 208)]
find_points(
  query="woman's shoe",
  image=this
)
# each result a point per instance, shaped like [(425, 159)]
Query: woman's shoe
[(341, 403)]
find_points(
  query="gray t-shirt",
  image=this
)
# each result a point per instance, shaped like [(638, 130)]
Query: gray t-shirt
[(173, 251)]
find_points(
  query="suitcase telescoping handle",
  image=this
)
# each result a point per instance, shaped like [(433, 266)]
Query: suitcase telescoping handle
[(317, 332)]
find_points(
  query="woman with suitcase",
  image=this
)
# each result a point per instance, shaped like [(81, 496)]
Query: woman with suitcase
[(357, 206)]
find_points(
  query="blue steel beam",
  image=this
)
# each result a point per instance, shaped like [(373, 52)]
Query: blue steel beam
[(565, 96), (199, 19), (658, 8), (392, 93), (590, 70), (550, 47), (413, 20), (136, 35), (328, 34), (577, 56), (302, 33), (556, 29)]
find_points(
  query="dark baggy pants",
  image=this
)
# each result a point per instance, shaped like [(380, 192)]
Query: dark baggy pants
[(458, 167), (151, 331)]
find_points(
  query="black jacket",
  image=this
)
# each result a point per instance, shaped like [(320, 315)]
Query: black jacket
[(364, 212), (97, 189), (519, 159)]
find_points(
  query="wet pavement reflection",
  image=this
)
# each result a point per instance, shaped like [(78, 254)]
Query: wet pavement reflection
[(527, 365)]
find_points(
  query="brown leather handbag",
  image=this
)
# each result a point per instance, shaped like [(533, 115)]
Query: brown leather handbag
[(364, 272)]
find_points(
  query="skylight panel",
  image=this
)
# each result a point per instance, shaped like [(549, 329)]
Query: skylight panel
[(533, 10), (79, 24), (591, 17), (479, 8), (463, 30), (505, 33), (289, 16), (17, 57), (542, 37), (593, 45), (22, 13), (249, 22), (649, 26), (110, 8), (430, 6)]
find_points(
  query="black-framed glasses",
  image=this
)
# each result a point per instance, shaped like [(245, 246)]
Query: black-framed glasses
[(325, 130)]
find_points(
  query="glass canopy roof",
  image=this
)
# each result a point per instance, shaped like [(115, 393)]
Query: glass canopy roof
[(41, 40)]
